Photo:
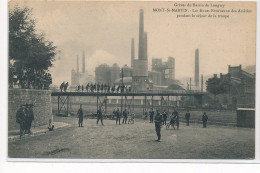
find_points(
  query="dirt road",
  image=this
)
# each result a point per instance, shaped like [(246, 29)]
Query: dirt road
[(136, 141)]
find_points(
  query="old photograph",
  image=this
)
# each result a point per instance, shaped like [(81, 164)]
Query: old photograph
[(131, 80)]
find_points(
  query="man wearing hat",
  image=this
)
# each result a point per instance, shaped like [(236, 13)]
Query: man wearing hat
[(158, 123), (164, 117), (29, 117), (99, 116), (204, 119), (80, 115)]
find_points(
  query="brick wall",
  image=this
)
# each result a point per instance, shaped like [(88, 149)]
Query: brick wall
[(41, 99)]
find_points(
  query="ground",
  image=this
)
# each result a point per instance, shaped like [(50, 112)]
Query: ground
[(136, 141)]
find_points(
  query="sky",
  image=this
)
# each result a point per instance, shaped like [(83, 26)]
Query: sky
[(104, 31)]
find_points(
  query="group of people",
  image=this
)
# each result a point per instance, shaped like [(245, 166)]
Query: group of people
[(116, 113), (159, 119), (126, 116), (64, 86), (80, 116), (25, 116), (103, 88)]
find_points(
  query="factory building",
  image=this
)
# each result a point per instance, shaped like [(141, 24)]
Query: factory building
[(80, 78), (127, 71), (114, 73), (103, 74), (240, 91), (165, 72), (156, 77)]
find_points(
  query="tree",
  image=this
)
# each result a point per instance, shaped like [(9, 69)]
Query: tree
[(31, 53)]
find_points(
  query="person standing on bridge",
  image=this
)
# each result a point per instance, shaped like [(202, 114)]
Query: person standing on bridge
[(158, 124), (99, 116), (80, 115), (204, 119)]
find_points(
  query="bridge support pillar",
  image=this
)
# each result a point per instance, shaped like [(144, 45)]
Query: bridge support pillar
[(63, 103)]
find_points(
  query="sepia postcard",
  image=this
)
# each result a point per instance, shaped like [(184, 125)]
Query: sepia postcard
[(120, 80)]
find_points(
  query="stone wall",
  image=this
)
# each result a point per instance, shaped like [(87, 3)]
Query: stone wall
[(41, 99)]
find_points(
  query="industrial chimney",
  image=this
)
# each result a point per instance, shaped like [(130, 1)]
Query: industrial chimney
[(132, 52), (77, 64), (83, 62), (196, 79), (141, 35)]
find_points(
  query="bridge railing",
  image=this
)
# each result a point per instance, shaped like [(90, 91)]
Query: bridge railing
[(56, 89)]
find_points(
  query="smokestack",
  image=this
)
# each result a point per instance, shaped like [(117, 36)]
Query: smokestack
[(83, 62), (197, 68), (77, 64), (145, 45), (132, 51), (202, 83), (141, 35)]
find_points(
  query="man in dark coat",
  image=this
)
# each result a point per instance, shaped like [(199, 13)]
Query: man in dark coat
[(20, 118), (29, 117), (118, 116), (80, 115), (124, 116), (204, 119), (99, 116), (158, 123), (151, 115), (187, 117), (176, 117), (164, 117)]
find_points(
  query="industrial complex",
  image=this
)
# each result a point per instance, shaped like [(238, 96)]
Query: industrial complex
[(136, 75)]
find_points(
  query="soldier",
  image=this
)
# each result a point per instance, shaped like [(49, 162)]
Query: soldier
[(29, 117), (80, 115), (82, 88), (176, 117), (87, 86), (98, 87), (187, 117), (102, 87), (164, 117), (20, 118), (62, 86), (99, 116), (113, 89), (204, 119), (108, 88), (118, 116), (158, 123), (124, 116), (151, 115), (118, 88), (66, 86)]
